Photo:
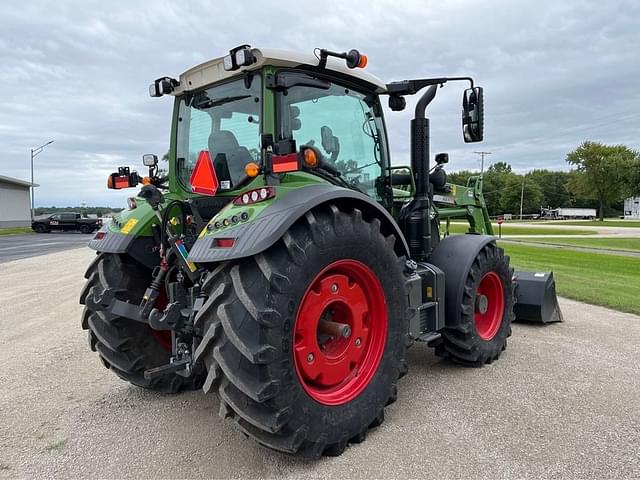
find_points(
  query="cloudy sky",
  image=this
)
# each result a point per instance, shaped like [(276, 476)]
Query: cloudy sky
[(555, 73)]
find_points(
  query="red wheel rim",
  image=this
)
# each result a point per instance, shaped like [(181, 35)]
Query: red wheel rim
[(489, 308), (333, 368)]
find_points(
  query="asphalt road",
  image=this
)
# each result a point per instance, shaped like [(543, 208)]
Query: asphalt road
[(562, 402), (15, 247)]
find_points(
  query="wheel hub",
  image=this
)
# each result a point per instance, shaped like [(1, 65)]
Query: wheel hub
[(340, 332), (489, 305)]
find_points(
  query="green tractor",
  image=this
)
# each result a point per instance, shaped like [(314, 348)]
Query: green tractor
[(285, 265)]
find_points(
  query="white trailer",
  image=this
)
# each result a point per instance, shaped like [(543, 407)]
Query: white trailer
[(632, 208), (568, 213), (571, 213)]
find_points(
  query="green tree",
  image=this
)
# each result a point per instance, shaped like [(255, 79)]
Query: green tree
[(461, 177), (512, 191), (495, 181), (601, 172), (553, 186)]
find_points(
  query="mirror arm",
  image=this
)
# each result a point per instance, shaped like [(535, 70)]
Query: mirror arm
[(411, 87)]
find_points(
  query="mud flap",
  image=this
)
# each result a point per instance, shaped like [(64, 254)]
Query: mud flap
[(536, 299)]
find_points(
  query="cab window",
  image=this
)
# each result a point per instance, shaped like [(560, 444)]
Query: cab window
[(342, 123)]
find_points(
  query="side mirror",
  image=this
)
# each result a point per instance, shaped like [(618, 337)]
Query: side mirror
[(473, 115), (149, 160)]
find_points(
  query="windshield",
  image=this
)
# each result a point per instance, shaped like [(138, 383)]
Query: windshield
[(344, 124), (225, 120)]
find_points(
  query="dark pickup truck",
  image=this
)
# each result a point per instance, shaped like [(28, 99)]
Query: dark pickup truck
[(68, 221)]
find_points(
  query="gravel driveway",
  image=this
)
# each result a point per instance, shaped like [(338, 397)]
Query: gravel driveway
[(563, 401)]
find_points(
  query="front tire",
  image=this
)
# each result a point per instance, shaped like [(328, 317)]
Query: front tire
[(127, 347), (288, 385), (40, 228), (480, 334)]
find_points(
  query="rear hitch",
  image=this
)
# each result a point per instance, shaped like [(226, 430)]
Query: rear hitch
[(181, 364), (106, 301)]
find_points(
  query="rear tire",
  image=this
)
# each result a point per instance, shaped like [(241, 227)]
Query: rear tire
[(127, 347), (252, 353), (480, 334), (86, 229)]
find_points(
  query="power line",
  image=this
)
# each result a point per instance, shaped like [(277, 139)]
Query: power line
[(482, 154)]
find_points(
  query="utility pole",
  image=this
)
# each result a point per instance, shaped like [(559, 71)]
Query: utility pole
[(482, 154), (522, 195), (34, 152)]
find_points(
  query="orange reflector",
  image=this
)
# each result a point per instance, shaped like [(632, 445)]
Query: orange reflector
[(146, 181), (122, 182), (310, 158), (251, 169), (284, 163), (203, 178), (363, 61)]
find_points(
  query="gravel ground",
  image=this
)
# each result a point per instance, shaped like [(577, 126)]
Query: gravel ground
[(563, 401)]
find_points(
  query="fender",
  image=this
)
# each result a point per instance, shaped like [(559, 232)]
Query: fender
[(270, 225), (454, 255)]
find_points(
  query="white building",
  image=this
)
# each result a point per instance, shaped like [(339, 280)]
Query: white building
[(632, 208), (15, 202)]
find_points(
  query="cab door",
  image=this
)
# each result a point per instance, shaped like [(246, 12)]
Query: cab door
[(68, 221)]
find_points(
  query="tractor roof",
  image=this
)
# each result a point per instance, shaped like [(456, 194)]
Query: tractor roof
[(213, 71)]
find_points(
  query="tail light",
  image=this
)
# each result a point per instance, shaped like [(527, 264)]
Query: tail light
[(255, 196)]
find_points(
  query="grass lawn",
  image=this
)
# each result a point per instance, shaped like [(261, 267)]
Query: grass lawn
[(623, 244), (602, 279), (522, 230), (15, 230), (588, 223)]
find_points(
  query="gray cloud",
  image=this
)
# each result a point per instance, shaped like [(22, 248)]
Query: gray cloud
[(555, 74)]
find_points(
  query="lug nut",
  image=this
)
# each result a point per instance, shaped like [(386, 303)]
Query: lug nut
[(310, 358), (358, 342), (334, 288)]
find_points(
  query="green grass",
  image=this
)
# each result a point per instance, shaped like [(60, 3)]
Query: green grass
[(15, 230), (602, 279), (621, 244), (522, 230), (596, 223)]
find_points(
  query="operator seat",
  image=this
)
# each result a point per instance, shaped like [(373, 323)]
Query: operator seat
[(229, 157)]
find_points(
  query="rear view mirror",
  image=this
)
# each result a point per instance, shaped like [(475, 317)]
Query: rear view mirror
[(473, 115), (149, 160)]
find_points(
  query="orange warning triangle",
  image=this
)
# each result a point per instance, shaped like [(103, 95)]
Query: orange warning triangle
[(203, 178)]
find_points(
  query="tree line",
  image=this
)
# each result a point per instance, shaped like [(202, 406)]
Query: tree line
[(602, 177), (98, 211)]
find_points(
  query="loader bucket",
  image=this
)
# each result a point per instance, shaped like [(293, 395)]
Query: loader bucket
[(536, 299)]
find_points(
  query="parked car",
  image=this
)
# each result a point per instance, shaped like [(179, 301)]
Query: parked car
[(67, 221)]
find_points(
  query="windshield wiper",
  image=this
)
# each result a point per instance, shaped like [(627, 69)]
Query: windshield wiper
[(208, 103)]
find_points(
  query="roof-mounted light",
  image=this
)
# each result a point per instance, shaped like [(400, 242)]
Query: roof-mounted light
[(239, 57), (353, 58), (163, 86)]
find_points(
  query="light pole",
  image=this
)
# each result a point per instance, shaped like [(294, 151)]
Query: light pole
[(522, 194), (34, 152)]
